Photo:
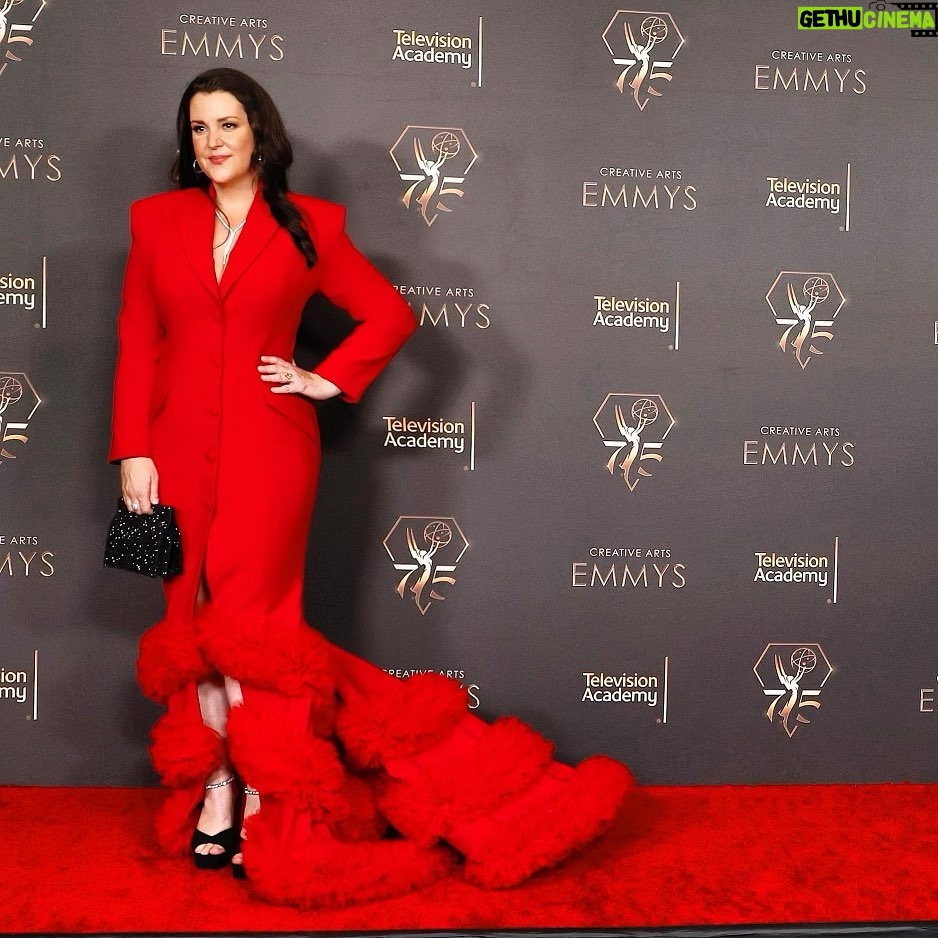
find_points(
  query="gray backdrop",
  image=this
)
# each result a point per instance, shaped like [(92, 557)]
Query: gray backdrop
[(768, 316)]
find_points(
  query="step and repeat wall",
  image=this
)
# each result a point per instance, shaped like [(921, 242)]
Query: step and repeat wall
[(656, 472)]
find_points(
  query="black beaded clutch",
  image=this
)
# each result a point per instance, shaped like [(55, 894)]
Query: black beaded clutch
[(147, 544)]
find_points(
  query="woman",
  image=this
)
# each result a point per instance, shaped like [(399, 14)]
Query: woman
[(210, 417)]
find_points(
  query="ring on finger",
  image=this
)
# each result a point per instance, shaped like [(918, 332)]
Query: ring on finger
[(135, 505), (286, 376)]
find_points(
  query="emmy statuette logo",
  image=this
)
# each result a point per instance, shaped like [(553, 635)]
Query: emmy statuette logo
[(634, 427), (644, 45), (433, 162), (426, 550), (797, 299), (792, 676), (18, 403), (17, 18)]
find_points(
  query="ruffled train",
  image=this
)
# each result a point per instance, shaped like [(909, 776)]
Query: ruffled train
[(371, 786)]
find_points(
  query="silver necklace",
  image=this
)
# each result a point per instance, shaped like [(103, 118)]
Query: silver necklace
[(228, 243)]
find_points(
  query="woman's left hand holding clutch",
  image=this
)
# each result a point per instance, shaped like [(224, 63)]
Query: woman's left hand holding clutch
[(139, 484)]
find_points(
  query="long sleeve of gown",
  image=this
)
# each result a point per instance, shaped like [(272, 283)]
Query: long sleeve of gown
[(384, 320), (139, 337)]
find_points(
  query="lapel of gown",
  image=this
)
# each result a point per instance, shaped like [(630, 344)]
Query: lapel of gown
[(196, 224), (259, 227)]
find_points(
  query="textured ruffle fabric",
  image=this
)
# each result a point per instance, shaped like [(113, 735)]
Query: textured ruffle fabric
[(169, 659), (468, 774), (406, 718), (339, 749), (496, 794), (319, 870), (184, 752), (287, 657), (561, 813), (287, 763)]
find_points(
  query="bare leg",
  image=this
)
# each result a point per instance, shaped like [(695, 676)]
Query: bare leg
[(252, 803), (217, 695), (218, 805)]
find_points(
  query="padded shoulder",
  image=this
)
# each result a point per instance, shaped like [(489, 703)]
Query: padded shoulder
[(326, 220), (150, 210)]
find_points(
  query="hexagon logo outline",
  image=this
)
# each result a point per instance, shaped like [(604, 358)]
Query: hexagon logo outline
[(12, 395), (641, 32), (793, 309), (418, 552), (625, 433), (421, 154), (791, 696)]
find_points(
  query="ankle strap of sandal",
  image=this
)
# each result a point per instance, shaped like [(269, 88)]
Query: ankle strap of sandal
[(220, 784), (251, 791)]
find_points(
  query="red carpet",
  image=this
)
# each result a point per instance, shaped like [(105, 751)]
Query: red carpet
[(81, 860)]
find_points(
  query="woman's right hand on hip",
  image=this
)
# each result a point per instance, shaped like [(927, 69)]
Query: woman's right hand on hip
[(140, 484)]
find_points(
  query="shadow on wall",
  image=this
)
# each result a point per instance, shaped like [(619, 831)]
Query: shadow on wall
[(350, 506), (353, 511)]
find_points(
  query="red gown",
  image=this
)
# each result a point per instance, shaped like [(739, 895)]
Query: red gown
[(339, 749)]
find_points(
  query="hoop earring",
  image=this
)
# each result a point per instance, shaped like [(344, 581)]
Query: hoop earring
[(196, 167)]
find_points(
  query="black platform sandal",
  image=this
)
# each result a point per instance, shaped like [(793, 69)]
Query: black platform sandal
[(237, 869), (228, 839)]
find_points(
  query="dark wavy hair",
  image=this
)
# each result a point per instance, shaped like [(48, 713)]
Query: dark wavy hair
[(272, 155)]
